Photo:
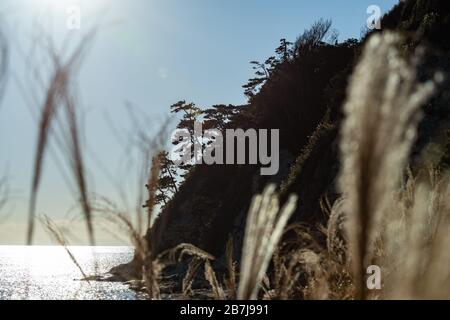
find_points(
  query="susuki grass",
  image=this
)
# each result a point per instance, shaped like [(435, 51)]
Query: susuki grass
[(382, 114), (4, 192), (402, 227), (414, 245), (4, 62), (4, 57), (59, 95), (264, 228)]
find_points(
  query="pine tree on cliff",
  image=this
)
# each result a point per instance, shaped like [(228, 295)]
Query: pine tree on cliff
[(218, 116), (284, 51), (263, 71), (190, 114), (166, 185), (261, 75)]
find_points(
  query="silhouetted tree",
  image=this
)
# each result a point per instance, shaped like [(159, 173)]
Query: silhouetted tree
[(166, 185), (218, 116), (264, 71), (284, 51), (253, 84), (313, 36), (190, 114), (349, 43)]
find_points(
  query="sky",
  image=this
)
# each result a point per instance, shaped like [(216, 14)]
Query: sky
[(148, 54)]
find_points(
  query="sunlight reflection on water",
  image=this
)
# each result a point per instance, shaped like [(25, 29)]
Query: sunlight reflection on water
[(47, 272)]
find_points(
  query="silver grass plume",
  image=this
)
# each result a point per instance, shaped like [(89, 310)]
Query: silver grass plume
[(381, 117), (264, 228)]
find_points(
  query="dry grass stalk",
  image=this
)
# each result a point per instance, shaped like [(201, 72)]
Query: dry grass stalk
[(151, 268), (179, 252), (148, 168), (59, 96), (303, 269), (324, 126), (175, 255), (151, 271), (188, 279), (335, 232), (317, 286), (4, 63), (152, 186), (230, 280), (381, 116), (4, 192), (416, 239), (148, 148), (210, 275), (264, 228), (56, 234), (286, 275)]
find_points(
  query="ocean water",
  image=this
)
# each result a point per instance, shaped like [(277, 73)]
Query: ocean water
[(48, 273)]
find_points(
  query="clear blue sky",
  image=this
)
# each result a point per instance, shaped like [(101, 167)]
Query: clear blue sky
[(151, 53)]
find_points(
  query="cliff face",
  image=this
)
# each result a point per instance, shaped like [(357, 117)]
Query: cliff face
[(303, 98), (212, 202), (429, 19)]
